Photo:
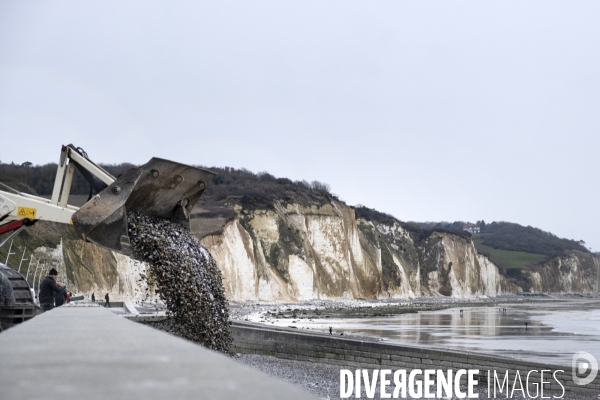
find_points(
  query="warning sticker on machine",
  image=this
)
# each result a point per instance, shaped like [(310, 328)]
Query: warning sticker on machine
[(26, 212)]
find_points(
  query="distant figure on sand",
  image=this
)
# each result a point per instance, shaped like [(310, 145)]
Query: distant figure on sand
[(330, 331), (93, 298), (107, 301)]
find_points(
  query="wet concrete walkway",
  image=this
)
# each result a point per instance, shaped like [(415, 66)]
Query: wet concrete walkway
[(91, 353)]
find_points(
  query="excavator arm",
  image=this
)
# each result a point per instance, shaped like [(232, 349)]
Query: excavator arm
[(160, 188)]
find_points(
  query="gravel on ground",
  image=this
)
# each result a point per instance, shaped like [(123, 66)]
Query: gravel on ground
[(323, 380)]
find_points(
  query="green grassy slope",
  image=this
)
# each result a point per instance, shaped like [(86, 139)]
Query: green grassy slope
[(506, 258)]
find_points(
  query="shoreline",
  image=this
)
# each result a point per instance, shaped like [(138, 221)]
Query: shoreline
[(266, 312), (322, 379)]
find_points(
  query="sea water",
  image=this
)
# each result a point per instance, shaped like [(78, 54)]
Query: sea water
[(543, 332)]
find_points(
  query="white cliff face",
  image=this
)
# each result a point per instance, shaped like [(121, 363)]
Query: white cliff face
[(574, 272), (234, 252), (472, 274), (297, 253), (465, 274), (132, 283), (294, 253), (405, 291), (91, 269), (302, 283), (494, 283)]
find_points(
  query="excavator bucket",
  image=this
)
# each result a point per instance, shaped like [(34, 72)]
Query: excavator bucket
[(160, 188)]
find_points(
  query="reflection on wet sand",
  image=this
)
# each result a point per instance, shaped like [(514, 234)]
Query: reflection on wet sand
[(509, 332)]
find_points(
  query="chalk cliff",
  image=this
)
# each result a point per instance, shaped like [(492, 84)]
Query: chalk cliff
[(576, 272), (293, 252), (90, 268), (326, 250), (86, 268)]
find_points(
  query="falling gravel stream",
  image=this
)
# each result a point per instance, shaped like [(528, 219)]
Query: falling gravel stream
[(187, 279)]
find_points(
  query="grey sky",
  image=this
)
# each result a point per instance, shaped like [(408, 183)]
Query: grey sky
[(454, 110)]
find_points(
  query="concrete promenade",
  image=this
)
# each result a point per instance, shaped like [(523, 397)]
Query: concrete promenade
[(91, 353)]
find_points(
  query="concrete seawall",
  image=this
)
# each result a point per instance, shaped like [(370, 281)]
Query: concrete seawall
[(90, 353), (251, 338)]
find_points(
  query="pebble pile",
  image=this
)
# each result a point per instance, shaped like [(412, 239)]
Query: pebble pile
[(187, 280)]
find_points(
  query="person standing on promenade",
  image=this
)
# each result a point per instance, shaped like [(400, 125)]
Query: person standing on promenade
[(48, 289)]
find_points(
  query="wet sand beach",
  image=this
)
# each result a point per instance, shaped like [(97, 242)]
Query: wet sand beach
[(548, 329)]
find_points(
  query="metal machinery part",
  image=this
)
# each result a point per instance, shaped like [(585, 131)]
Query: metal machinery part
[(16, 301), (160, 188)]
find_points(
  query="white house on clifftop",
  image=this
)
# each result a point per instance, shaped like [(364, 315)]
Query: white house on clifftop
[(471, 228)]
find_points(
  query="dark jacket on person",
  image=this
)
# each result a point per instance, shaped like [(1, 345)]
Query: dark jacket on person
[(60, 297), (48, 289), (7, 295)]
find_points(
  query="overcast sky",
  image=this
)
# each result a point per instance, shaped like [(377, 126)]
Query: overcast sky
[(429, 111)]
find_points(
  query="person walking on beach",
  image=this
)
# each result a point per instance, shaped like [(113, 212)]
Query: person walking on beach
[(93, 298), (107, 301)]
